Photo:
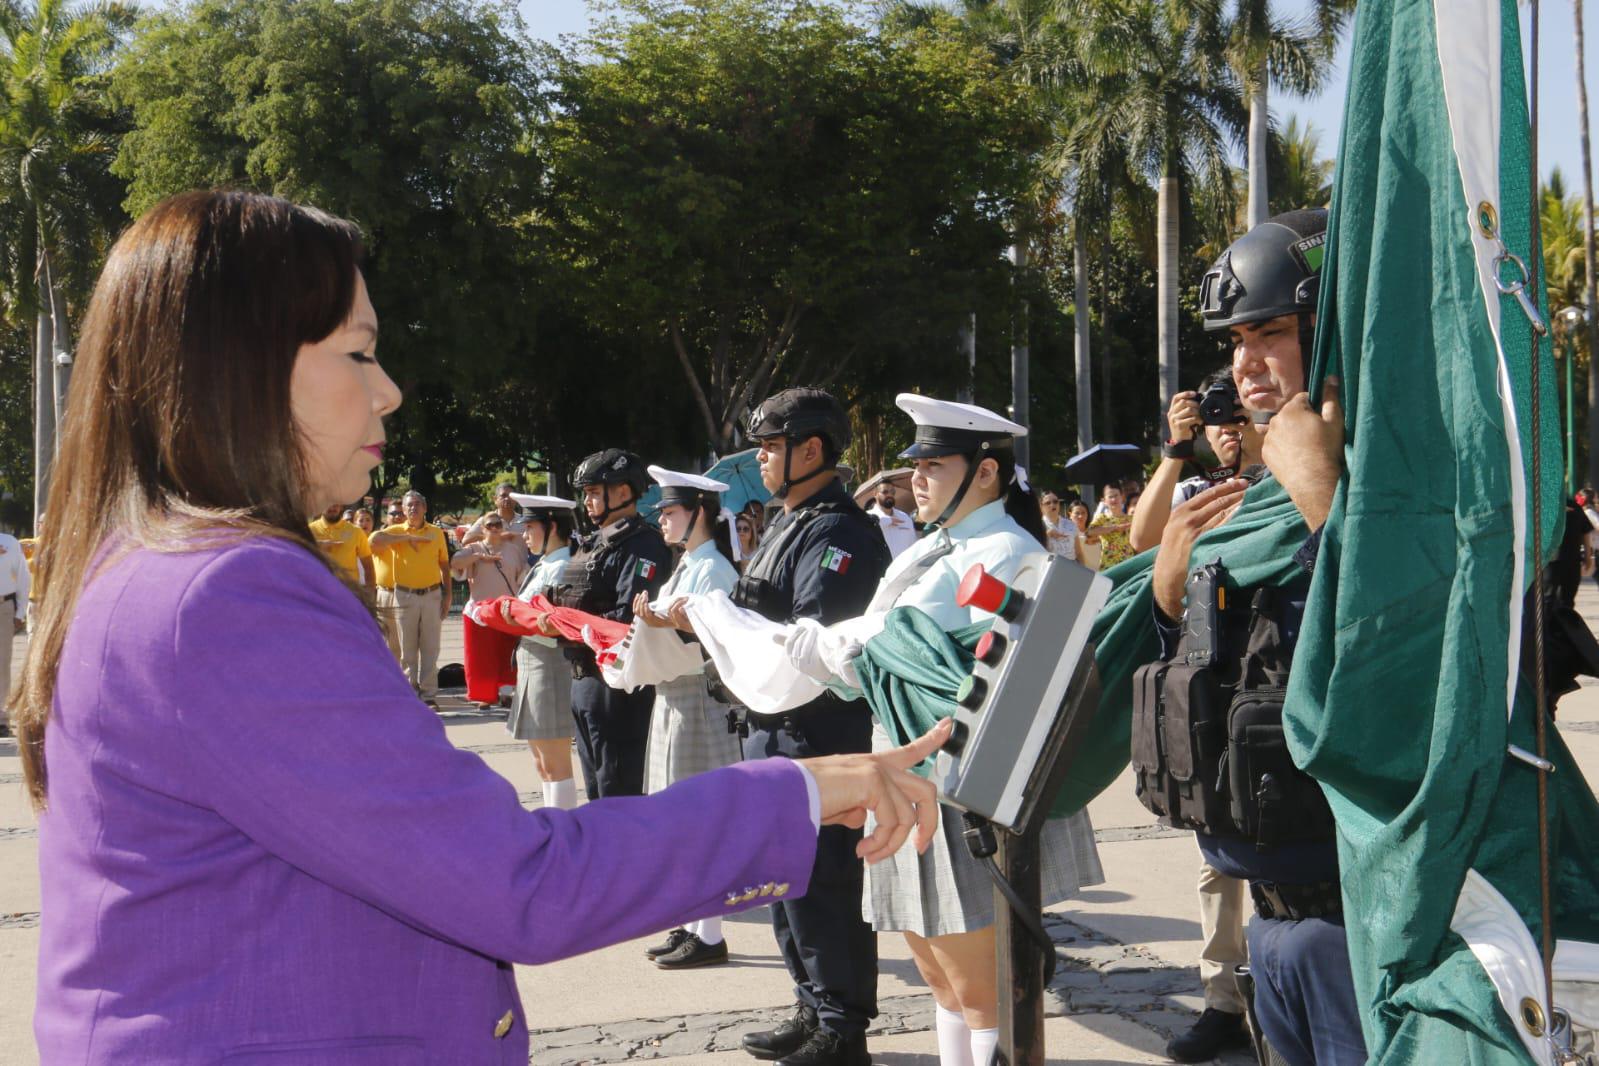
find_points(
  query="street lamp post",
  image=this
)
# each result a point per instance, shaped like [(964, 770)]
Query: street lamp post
[(1567, 320)]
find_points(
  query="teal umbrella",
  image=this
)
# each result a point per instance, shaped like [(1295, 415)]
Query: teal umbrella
[(742, 475)]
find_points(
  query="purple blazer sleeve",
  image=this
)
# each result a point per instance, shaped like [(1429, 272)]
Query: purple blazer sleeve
[(304, 735)]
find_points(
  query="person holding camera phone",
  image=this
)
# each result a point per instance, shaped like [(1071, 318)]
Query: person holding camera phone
[(1210, 432), (1226, 655)]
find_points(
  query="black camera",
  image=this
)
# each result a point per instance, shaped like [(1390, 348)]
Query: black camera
[(1218, 405)]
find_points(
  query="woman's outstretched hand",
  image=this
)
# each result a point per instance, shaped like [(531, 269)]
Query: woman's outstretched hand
[(851, 785)]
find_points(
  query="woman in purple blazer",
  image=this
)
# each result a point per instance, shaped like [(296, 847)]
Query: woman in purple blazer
[(255, 842)]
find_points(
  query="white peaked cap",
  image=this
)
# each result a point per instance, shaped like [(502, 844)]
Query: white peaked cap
[(674, 479), (541, 503), (944, 427), (947, 414)]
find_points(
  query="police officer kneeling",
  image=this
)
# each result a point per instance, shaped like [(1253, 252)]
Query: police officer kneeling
[(622, 557), (1208, 746), (820, 559)]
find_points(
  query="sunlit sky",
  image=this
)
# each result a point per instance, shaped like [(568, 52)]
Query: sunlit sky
[(1558, 144)]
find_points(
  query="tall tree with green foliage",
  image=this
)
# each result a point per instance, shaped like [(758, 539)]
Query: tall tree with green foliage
[(1295, 54), (57, 201), (414, 118), (775, 195), (1162, 80)]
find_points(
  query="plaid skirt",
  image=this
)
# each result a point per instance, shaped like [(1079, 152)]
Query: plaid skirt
[(542, 706), (688, 734), (946, 891)]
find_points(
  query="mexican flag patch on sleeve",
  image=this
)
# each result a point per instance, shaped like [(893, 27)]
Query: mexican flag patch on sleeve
[(645, 569), (836, 560)]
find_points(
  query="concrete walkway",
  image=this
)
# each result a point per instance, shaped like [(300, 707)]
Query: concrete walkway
[(1128, 948)]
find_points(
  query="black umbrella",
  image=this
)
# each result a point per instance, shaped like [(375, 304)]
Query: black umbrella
[(1105, 463)]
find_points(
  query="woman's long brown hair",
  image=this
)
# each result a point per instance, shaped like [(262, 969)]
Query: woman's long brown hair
[(178, 430)]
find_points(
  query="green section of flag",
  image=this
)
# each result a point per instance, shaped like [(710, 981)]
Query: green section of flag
[(1397, 698), (910, 672)]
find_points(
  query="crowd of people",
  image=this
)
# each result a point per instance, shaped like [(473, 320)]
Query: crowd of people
[(645, 646)]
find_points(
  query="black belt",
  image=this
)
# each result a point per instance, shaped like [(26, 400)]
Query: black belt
[(416, 592), (1294, 903)]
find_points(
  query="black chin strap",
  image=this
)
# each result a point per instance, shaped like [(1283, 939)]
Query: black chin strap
[(688, 534), (973, 459), (789, 481), (605, 515)]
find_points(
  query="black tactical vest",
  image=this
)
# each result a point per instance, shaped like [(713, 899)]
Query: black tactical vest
[(1208, 747), (582, 584), (757, 589)]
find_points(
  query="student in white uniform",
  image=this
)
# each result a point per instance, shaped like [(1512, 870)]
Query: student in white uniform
[(688, 728), (541, 710), (979, 509)]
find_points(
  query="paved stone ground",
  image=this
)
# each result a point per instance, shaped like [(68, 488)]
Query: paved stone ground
[(1126, 978)]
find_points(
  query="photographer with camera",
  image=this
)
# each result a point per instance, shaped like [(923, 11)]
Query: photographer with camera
[(1208, 746), (1210, 432)]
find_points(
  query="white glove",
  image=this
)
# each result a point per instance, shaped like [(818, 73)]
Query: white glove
[(802, 644)]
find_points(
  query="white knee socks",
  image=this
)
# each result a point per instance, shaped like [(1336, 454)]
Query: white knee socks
[(561, 794), (954, 1039), (984, 1041), (708, 930)]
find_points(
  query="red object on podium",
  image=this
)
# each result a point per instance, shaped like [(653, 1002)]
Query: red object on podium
[(990, 646), (982, 590)]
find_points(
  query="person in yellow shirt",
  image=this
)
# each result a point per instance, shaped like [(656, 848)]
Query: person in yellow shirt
[(383, 575), (344, 543), (416, 557)]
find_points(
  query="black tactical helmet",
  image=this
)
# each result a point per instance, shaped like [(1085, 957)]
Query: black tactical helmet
[(613, 466), (801, 413), (1273, 270)]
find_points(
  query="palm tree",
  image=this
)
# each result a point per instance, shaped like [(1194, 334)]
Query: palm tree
[(55, 189), (1301, 176), (1161, 84), (1561, 225), (1296, 54), (1029, 39)]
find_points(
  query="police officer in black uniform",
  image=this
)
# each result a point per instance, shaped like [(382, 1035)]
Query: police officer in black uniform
[(822, 559), (623, 556), (1225, 770)]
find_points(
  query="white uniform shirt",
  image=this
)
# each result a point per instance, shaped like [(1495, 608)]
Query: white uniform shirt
[(652, 656), (14, 579), (749, 650), (988, 535), (546, 572), (1066, 543), (704, 569), (898, 529)]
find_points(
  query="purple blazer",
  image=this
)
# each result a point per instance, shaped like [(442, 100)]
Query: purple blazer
[(261, 849)]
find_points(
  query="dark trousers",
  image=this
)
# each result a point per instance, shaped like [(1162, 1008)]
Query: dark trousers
[(612, 730), (830, 952), (1304, 991)]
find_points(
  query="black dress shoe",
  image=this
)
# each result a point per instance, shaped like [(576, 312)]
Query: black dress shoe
[(667, 946), (693, 952), (786, 1038), (1215, 1031), (827, 1048)]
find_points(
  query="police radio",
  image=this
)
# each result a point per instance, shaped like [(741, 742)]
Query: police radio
[(1026, 707)]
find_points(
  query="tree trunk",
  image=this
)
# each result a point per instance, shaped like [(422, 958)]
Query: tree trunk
[(44, 406), (1019, 353), (1259, 209), (1085, 382), (967, 338), (1107, 423), (1591, 308), (1166, 295), (61, 343)]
